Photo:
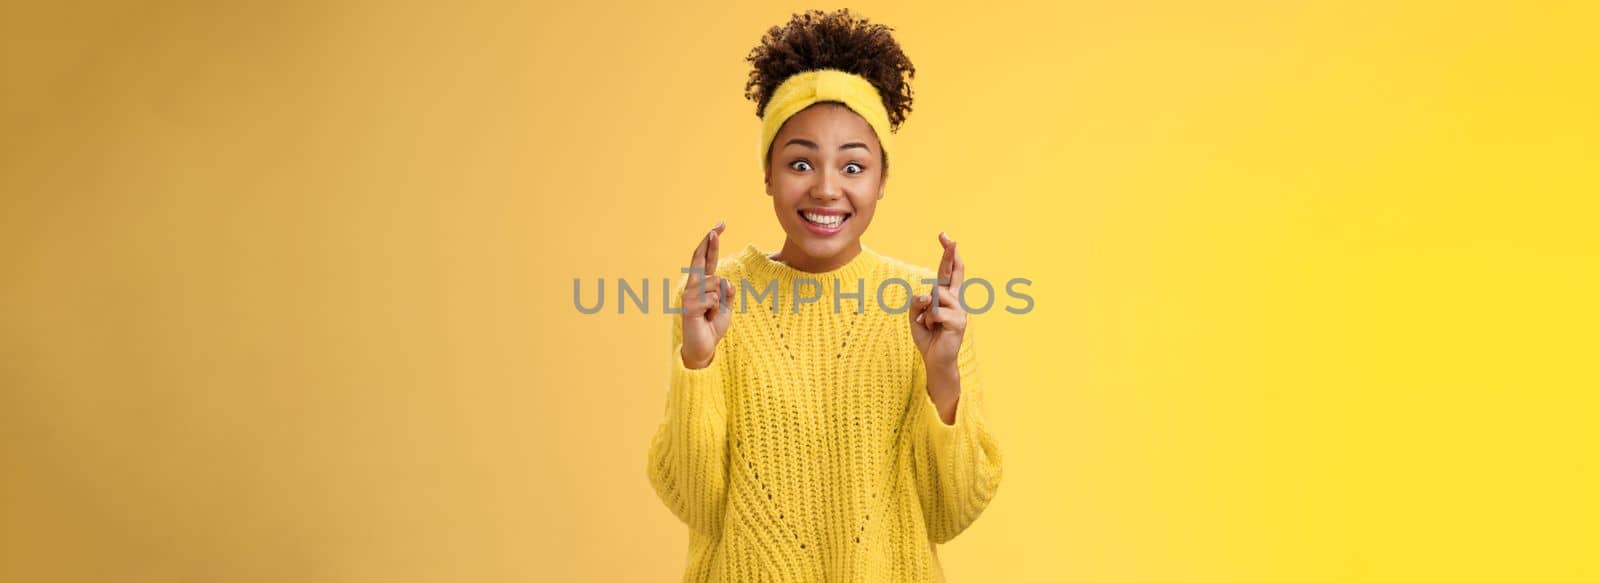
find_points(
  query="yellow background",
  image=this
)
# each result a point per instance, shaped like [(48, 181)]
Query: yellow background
[(285, 287)]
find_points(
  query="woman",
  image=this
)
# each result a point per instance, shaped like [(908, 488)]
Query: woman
[(827, 425)]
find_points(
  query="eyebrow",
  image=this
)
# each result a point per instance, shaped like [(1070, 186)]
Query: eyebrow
[(813, 145)]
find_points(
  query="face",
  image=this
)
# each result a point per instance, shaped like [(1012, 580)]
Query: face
[(825, 176)]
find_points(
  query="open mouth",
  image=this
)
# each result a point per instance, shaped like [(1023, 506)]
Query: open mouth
[(825, 221)]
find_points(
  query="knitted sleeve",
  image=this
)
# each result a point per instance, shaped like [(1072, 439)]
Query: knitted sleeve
[(688, 454), (957, 467)]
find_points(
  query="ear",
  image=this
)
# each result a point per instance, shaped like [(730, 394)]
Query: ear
[(884, 181)]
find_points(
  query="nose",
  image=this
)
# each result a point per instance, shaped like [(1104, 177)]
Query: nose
[(826, 187)]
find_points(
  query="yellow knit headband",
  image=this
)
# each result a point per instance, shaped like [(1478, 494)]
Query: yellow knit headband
[(801, 90)]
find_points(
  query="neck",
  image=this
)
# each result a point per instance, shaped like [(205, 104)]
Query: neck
[(794, 257)]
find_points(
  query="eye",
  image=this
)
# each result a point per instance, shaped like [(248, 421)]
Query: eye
[(794, 164), (859, 168)]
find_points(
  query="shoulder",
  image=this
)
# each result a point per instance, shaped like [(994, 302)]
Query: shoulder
[(894, 267), (727, 266)]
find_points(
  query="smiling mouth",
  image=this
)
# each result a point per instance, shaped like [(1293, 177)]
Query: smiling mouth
[(824, 221)]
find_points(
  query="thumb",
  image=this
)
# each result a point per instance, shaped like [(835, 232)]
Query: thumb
[(919, 304)]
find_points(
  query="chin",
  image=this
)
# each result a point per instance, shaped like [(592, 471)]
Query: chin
[(822, 248)]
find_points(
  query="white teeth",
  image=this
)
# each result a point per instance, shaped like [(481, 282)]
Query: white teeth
[(824, 220)]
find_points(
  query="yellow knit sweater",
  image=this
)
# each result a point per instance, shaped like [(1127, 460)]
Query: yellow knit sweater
[(809, 450)]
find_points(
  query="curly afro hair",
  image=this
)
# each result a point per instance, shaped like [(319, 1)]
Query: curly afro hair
[(835, 40)]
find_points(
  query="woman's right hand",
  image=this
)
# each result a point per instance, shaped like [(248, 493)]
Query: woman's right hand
[(705, 316)]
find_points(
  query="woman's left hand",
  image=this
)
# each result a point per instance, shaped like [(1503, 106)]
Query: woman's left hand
[(938, 330)]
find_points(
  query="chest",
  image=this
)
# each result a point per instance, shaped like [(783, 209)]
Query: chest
[(819, 375)]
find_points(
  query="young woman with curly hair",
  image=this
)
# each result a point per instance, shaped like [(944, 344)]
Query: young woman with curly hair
[(828, 425)]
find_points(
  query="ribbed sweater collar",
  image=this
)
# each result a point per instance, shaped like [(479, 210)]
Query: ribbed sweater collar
[(761, 267)]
